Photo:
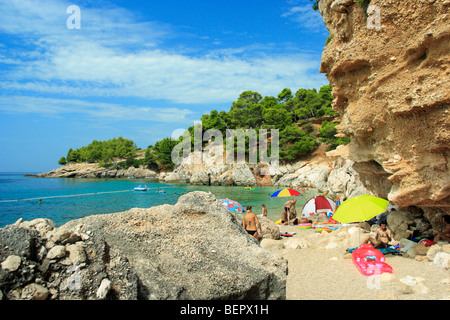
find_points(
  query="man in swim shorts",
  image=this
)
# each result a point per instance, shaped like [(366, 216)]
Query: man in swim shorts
[(288, 207), (382, 237), (249, 222)]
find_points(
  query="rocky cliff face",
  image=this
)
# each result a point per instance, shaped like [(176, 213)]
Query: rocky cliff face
[(389, 68), (328, 175)]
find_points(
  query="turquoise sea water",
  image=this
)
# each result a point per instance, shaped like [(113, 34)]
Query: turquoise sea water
[(65, 199)]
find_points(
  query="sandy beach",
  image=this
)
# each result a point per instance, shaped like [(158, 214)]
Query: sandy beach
[(317, 273)]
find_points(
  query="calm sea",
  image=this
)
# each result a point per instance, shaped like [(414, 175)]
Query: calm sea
[(65, 199)]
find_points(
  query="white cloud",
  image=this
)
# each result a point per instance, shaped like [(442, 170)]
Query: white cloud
[(46, 21), (109, 111), (304, 16), (89, 69), (114, 55)]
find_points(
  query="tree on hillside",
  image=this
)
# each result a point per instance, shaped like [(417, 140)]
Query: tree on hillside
[(150, 159), (285, 95), (163, 152), (326, 99), (327, 135), (246, 112), (312, 104), (213, 121), (295, 142), (62, 161), (277, 118), (247, 98), (269, 102), (73, 156), (103, 151), (327, 130)]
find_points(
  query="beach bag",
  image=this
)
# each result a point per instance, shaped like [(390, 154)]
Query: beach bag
[(406, 244)]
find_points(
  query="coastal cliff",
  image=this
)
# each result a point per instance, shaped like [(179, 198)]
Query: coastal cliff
[(330, 175), (388, 64)]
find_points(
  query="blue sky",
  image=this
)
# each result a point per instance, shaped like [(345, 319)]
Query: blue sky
[(141, 69)]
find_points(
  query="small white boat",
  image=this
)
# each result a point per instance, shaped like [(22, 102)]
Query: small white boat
[(140, 188)]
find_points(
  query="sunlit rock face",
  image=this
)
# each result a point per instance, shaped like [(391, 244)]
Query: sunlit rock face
[(388, 63)]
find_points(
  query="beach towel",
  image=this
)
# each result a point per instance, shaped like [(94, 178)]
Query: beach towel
[(287, 234), (383, 250)]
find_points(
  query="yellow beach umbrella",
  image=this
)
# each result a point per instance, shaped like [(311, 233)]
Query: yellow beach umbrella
[(360, 208)]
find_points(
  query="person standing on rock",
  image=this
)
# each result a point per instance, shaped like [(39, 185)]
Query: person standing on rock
[(249, 222), (289, 212)]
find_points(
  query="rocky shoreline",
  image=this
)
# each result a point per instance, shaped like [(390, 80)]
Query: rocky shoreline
[(193, 250), (330, 176), (198, 250), (93, 170)]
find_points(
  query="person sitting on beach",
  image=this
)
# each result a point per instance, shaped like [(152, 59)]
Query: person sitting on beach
[(264, 211), (382, 237), (292, 217), (249, 222), (443, 235)]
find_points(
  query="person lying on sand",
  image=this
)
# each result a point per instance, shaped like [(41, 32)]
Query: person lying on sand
[(443, 235), (382, 237), (249, 222)]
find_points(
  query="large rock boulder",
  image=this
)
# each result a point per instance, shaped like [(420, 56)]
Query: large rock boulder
[(195, 249), (242, 175), (200, 178), (40, 262), (176, 177), (332, 177)]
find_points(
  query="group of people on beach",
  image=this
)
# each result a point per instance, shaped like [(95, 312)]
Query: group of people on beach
[(382, 237), (250, 220)]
